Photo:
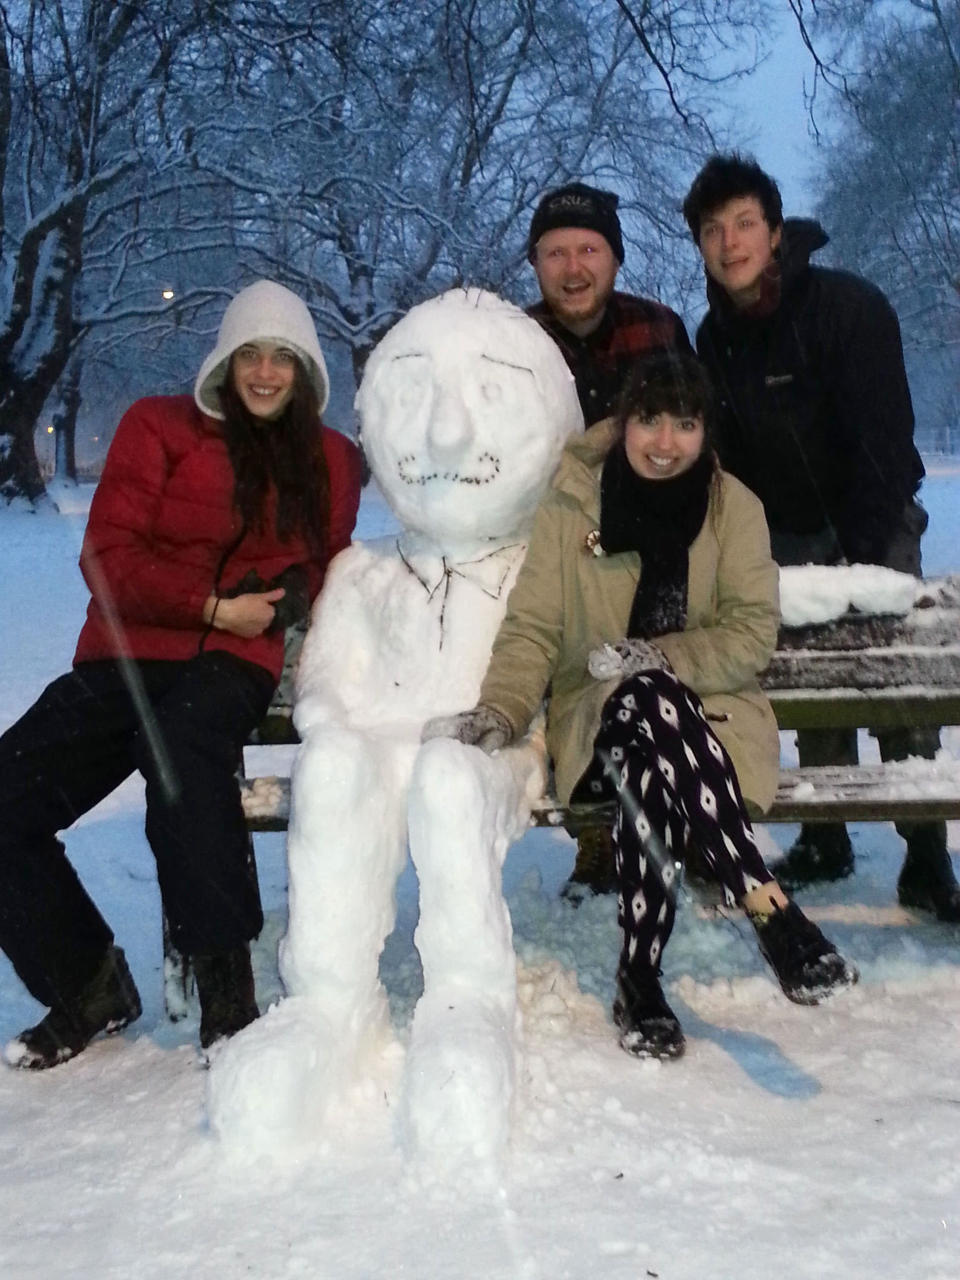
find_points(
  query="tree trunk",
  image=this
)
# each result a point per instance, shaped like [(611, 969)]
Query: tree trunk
[(65, 425), (19, 469)]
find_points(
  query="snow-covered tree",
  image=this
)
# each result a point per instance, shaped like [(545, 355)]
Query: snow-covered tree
[(891, 199), (409, 150), (367, 154), (84, 86)]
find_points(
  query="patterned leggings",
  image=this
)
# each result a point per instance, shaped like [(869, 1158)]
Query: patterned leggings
[(675, 785)]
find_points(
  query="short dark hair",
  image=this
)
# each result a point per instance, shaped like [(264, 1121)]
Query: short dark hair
[(666, 382), (725, 177)]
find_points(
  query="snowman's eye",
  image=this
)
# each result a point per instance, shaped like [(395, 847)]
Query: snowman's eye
[(501, 382), (410, 391), (409, 380)]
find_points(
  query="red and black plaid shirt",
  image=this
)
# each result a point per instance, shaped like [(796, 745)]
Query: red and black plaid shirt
[(631, 327)]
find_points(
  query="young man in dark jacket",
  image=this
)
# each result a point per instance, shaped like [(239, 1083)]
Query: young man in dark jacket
[(575, 246), (815, 416)]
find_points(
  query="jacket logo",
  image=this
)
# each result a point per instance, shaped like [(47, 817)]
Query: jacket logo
[(778, 379)]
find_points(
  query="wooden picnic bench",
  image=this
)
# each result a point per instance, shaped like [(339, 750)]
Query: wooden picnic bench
[(860, 671)]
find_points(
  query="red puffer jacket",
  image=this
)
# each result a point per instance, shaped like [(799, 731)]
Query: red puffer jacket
[(163, 535)]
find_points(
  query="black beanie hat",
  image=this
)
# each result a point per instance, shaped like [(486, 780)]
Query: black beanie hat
[(578, 205)]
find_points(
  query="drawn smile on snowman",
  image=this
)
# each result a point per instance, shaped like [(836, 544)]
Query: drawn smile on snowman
[(485, 471)]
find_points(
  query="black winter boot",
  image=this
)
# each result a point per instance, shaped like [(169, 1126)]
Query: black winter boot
[(594, 871), (648, 1026), (822, 851), (227, 999), (927, 879), (108, 1002), (808, 967)]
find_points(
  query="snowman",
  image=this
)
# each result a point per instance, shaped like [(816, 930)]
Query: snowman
[(464, 410)]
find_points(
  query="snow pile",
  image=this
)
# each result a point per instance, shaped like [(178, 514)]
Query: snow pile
[(812, 593)]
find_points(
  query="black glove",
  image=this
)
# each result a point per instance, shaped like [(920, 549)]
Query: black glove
[(483, 727), (250, 584), (295, 604)]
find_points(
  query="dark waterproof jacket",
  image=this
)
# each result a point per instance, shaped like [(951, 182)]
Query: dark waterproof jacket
[(814, 407), (164, 534)]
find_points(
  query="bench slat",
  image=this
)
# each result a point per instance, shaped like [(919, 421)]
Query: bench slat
[(913, 707), (932, 667), (906, 707), (912, 789)]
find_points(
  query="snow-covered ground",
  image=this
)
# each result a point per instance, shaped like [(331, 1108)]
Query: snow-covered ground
[(789, 1142)]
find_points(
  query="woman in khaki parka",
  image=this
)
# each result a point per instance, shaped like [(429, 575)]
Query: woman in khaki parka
[(648, 603)]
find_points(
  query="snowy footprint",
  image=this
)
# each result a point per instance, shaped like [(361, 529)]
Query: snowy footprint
[(459, 1079)]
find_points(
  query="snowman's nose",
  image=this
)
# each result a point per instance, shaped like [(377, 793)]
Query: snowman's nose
[(450, 432)]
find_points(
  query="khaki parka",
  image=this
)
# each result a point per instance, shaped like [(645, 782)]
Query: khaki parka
[(567, 601)]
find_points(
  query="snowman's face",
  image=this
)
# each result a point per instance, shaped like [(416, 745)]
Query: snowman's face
[(464, 413)]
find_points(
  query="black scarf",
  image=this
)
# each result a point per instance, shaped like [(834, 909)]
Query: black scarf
[(659, 519)]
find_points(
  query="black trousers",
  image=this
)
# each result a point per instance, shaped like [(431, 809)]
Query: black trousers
[(183, 725), (676, 786)]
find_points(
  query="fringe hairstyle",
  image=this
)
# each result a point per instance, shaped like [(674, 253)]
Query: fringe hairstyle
[(671, 382), (285, 452)]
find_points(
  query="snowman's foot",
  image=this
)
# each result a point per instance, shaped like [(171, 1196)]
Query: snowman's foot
[(271, 1085), (459, 1078)]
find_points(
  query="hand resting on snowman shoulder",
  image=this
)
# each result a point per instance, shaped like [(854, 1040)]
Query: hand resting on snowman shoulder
[(482, 727), (626, 658)]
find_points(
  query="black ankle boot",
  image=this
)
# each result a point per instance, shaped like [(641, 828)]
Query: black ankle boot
[(822, 851), (225, 987), (594, 871), (927, 878), (807, 965), (648, 1026), (108, 1002)]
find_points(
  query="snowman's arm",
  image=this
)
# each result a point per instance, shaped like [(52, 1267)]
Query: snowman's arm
[(338, 654)]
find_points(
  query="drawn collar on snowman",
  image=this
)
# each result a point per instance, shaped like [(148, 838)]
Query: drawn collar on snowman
[(464, 408), (263, 312), (487, 569)]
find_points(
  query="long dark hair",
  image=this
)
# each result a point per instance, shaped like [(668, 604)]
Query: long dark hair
[(285, 452)]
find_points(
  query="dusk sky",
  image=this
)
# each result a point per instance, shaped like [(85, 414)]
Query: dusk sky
[(774, 117)]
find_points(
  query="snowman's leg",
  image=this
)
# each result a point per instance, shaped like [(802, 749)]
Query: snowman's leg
[(270, 1086), (465, 809), (346, 847)]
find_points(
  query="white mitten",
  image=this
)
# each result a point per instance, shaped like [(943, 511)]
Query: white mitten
[(625, 658)]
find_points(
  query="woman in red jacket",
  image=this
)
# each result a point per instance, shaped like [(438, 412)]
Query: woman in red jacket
[(209, 533)]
